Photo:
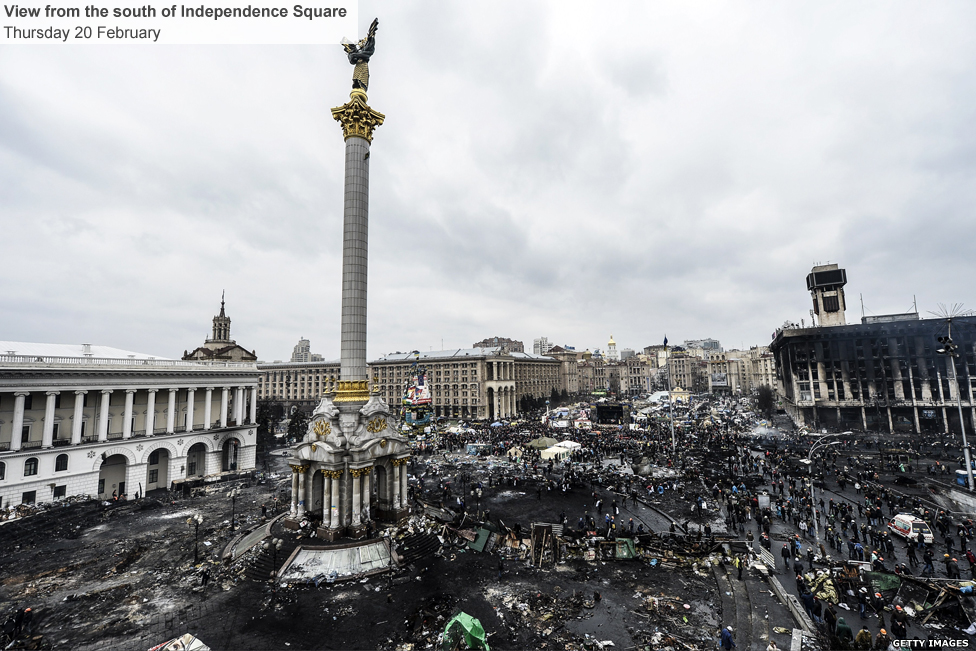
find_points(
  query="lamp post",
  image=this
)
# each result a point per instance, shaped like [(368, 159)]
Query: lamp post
[(195, 521), (949, 351), (274, 545), (820, 445), (233, 507)]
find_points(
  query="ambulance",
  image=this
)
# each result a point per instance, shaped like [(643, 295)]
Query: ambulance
[(907, 525)]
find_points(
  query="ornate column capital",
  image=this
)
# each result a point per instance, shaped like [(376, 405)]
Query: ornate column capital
[(81, 392), (52, 393), (357, 118)]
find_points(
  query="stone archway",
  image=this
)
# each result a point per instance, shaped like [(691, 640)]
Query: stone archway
[(196, 460), (229, 455), (111, 476), (157, 468)]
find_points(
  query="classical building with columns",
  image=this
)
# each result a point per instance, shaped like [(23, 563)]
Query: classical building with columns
[(93, 420), (470, 383)]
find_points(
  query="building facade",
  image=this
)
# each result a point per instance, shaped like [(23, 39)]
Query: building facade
[(97, 421), (511, 345), (220, 347), (296, 383), (303, 352), (884, 374), (470, 383)]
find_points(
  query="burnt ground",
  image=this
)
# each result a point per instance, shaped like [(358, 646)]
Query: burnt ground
[(122, 577)]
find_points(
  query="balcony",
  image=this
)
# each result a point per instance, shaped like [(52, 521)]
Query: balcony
[(61, 442), (30, 445)]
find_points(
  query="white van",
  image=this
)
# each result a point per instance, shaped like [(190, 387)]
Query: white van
[(907, 524)]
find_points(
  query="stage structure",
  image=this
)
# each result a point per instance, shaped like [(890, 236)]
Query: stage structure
[(350, 468)]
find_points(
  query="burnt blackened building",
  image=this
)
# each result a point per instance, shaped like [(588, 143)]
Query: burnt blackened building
[(884, 374)]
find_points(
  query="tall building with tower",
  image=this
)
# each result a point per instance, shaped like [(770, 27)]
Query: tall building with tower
[(826, 285)]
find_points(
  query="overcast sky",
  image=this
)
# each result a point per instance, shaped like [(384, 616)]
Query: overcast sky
[(558, 169)]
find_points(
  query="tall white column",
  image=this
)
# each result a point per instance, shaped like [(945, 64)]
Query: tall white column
[(239, 406), (48, 436), (396, 484), (103, 415), (404, 502), (127, 417), (18, 429), (357, 499), (207, 407), (326, 499), (367, 495), (78, 417), (189, 409), (335, 500), (294, 489), (301, 491), (223, 407), (171, 411), (254, 405), (151, 412)]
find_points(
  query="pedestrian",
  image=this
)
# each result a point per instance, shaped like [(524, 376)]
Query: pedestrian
[(863, 638), (28, 621), (264, 511), (205, 577), (844, 632), (501, 567), (726, 641)]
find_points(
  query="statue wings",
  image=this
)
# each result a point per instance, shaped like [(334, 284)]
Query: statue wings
[(365, 45)]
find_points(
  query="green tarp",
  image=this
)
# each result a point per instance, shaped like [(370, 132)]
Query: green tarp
[(880, 581), (625, 548), (467, 627), (542, 443), (478, 544)]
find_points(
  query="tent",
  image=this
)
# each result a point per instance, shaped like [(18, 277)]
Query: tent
[(569, 445), (556, 452), (542, 443), (464, 627), (496, 424)]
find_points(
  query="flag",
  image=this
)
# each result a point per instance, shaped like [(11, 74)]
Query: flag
[(665, 340)]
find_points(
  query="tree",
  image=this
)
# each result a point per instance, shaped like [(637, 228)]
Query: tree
[(765, 400), (298, 425)]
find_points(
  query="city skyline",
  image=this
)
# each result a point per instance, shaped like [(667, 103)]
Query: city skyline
[(684, 185)]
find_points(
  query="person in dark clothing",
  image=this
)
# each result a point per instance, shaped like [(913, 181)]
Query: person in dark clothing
[(28, 621), (726, 641)]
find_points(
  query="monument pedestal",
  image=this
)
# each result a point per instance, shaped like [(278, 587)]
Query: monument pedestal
[(392, 516), (356, 531), (327, 534), (291, 524)]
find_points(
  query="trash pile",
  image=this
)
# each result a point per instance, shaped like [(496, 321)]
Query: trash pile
[(542, 615)]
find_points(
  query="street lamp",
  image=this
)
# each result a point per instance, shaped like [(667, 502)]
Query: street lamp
[(274, 545), (233, 507), (949, 351), (195, 521), (820, 445)]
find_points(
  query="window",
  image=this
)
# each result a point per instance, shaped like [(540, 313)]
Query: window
[(30, 467), (60, 492), (154, 458), (831, 304), (28, 402), (191, 468), (153, 476), (29, 497), (57, 401), (56, 430), (101, 486), (25, 434), (83, 428), (61, 463), (3, 470)]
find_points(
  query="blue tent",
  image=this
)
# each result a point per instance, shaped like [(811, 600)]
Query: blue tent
[(496, 424)]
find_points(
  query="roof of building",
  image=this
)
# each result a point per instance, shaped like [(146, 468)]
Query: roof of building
[(459, 353), (23, 348), (314, 364)]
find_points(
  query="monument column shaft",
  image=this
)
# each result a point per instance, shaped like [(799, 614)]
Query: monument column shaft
[(334, 509), (355, 225)]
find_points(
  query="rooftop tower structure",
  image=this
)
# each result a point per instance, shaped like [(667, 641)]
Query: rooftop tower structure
[(826, 285)]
